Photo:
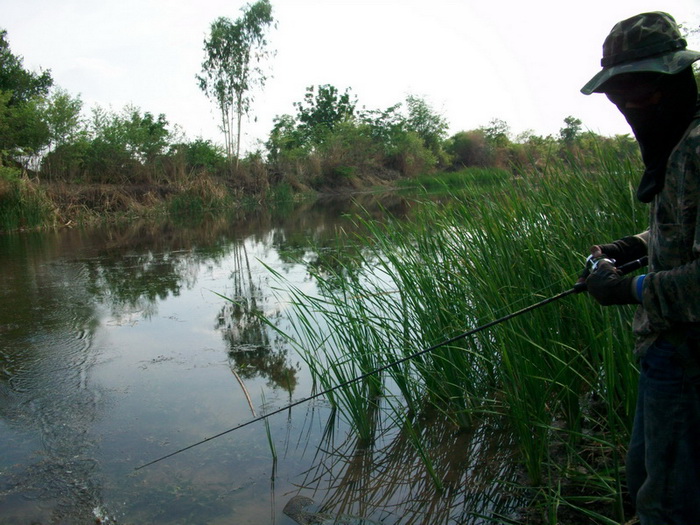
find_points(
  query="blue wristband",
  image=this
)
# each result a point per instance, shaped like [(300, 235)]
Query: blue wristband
[(638, 289)]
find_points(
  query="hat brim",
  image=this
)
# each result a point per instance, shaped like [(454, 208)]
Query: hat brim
[(668, 63)]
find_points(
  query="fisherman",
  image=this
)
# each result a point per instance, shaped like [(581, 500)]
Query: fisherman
[(648, 74)]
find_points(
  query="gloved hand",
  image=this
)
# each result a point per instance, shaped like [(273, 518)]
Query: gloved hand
[(607, 286), (624, 250), (621, 251)]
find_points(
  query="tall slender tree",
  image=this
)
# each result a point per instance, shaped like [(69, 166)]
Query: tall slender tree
[(234, 53)]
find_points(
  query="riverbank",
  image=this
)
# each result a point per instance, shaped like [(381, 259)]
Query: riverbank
[(30, 203), (27, 203)]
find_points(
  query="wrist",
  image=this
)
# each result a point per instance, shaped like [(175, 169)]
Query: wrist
[(638, 287)]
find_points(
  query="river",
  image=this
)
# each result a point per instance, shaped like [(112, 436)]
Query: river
[(122, 344)]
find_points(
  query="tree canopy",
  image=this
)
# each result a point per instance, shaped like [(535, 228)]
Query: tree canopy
[(21, 83), (22, 128)]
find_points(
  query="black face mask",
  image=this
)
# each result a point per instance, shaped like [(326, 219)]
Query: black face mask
[(658, 128)]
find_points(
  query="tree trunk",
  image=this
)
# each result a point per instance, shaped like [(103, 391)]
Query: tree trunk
[(239, 115)]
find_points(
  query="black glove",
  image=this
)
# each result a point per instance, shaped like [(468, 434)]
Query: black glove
[(607, 286), (625, 250)]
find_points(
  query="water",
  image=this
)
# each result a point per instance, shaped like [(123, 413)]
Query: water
[(120, 345)]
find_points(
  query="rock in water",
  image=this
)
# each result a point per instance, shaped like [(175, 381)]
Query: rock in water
[(298, 509)]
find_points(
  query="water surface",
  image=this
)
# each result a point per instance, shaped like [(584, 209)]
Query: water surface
[(119, 345)]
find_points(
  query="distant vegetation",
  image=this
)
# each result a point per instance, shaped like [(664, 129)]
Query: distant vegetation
[(59, 163)]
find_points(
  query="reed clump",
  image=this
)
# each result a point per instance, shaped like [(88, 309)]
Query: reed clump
[(485, 179), (563, 375), (23, 204), (199, 196)]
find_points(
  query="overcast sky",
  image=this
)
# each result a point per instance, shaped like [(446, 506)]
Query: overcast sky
[(472, 60)]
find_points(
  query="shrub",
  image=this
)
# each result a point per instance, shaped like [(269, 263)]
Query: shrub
[(410, 156)]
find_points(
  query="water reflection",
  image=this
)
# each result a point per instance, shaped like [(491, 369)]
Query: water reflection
[(246, 335), (387, 480)]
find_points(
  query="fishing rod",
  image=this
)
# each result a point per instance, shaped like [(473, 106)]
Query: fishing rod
[(580, 286)]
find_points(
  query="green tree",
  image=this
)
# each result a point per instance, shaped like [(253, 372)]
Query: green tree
[(24, 85), (62, 116), (627, 146), (146, 137), (5, 123), (201, 155), (107, 159), (284, 137), (66, 136), (27, 132), (571, 131), (124, 147), (429, 125), (321, 111), (23, 131), (232, 67), (497, 132), (329, 141), (384, 126)]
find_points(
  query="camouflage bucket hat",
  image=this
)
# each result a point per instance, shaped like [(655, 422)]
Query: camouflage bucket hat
[(648, 42)]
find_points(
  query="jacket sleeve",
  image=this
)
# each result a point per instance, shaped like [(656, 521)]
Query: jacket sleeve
[(626, 249)]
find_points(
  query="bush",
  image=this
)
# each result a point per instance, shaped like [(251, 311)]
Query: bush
[(66, 162), (203, 155), (347, 151), (469, 148), (410, 156)]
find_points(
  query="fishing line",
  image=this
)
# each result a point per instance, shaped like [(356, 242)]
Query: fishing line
[(577, 288)]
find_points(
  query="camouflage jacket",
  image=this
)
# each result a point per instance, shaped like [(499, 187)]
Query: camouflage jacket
[(671, 292)]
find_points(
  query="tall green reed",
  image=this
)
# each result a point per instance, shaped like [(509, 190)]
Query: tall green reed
[(338, 355)]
